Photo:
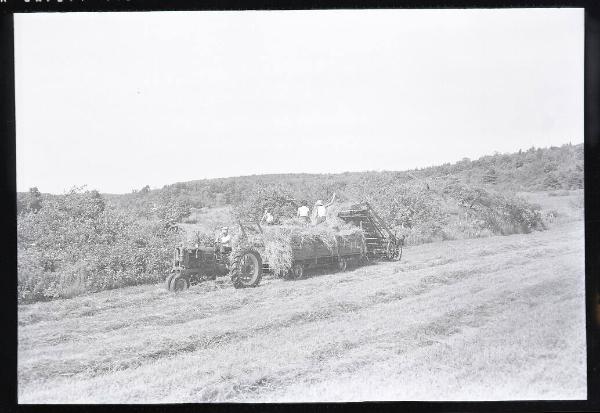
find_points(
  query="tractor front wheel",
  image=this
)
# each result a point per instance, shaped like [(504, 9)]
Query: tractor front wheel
[(168, 280), (246, 269), (179, 283)]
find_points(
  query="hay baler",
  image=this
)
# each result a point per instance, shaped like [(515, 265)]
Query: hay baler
[(381, 242)]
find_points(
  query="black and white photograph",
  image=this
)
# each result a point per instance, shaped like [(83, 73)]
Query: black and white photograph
[(272, 206)]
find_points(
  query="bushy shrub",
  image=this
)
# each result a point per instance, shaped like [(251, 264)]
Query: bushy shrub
[(499, 213), (29, 201), (75, 244), (447, 209), (171, 210)]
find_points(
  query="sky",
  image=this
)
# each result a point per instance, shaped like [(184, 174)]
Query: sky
[(117, 101)]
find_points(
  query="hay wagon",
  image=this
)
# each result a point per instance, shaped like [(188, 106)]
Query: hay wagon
[(247, 263), (313, 254)]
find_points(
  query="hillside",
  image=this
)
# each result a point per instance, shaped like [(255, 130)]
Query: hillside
[(538, 169), (445, 323), (534, 169)]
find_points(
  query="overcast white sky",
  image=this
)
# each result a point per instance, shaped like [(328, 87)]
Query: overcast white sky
[(120, 100)]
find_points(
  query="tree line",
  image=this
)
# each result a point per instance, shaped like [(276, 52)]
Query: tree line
[(535, 169)]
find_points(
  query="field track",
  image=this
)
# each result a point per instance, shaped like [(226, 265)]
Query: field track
[(483, 319)]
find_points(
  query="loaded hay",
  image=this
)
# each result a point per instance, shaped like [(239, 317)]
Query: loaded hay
[(276, 242)]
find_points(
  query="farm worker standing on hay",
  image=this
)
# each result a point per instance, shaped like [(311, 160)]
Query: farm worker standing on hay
[(320, 210), (224, 240), (267, 218), (304, 212)]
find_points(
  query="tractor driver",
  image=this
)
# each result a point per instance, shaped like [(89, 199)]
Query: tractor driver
[(224, 240)]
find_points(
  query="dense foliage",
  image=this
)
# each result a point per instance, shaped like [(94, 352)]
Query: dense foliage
[(275, 198), (77, 243), (445, 209)]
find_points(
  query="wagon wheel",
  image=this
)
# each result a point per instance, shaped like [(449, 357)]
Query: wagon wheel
[(391, 251), (294, 273), (246, 269), (342, 264), (179, 283), (297, 272), (364, 259)]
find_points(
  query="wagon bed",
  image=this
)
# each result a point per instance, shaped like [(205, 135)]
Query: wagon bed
[(316, 248), (311, 253)]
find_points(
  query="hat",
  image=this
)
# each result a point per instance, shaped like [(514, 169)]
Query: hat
[(319, 202)]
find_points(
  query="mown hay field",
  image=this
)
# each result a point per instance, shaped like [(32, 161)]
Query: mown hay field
[(483, 319)]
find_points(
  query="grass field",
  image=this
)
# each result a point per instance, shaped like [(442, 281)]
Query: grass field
[(485, 319)]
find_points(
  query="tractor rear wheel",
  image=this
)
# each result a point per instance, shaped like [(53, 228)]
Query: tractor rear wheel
[(179, 283), (246, 269)]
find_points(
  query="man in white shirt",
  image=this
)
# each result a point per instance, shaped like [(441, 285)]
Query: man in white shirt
[(320, 210), (304, 213), (224, 240), (267, 218)]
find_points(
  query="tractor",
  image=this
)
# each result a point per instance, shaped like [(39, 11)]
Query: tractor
[(193, 265)]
